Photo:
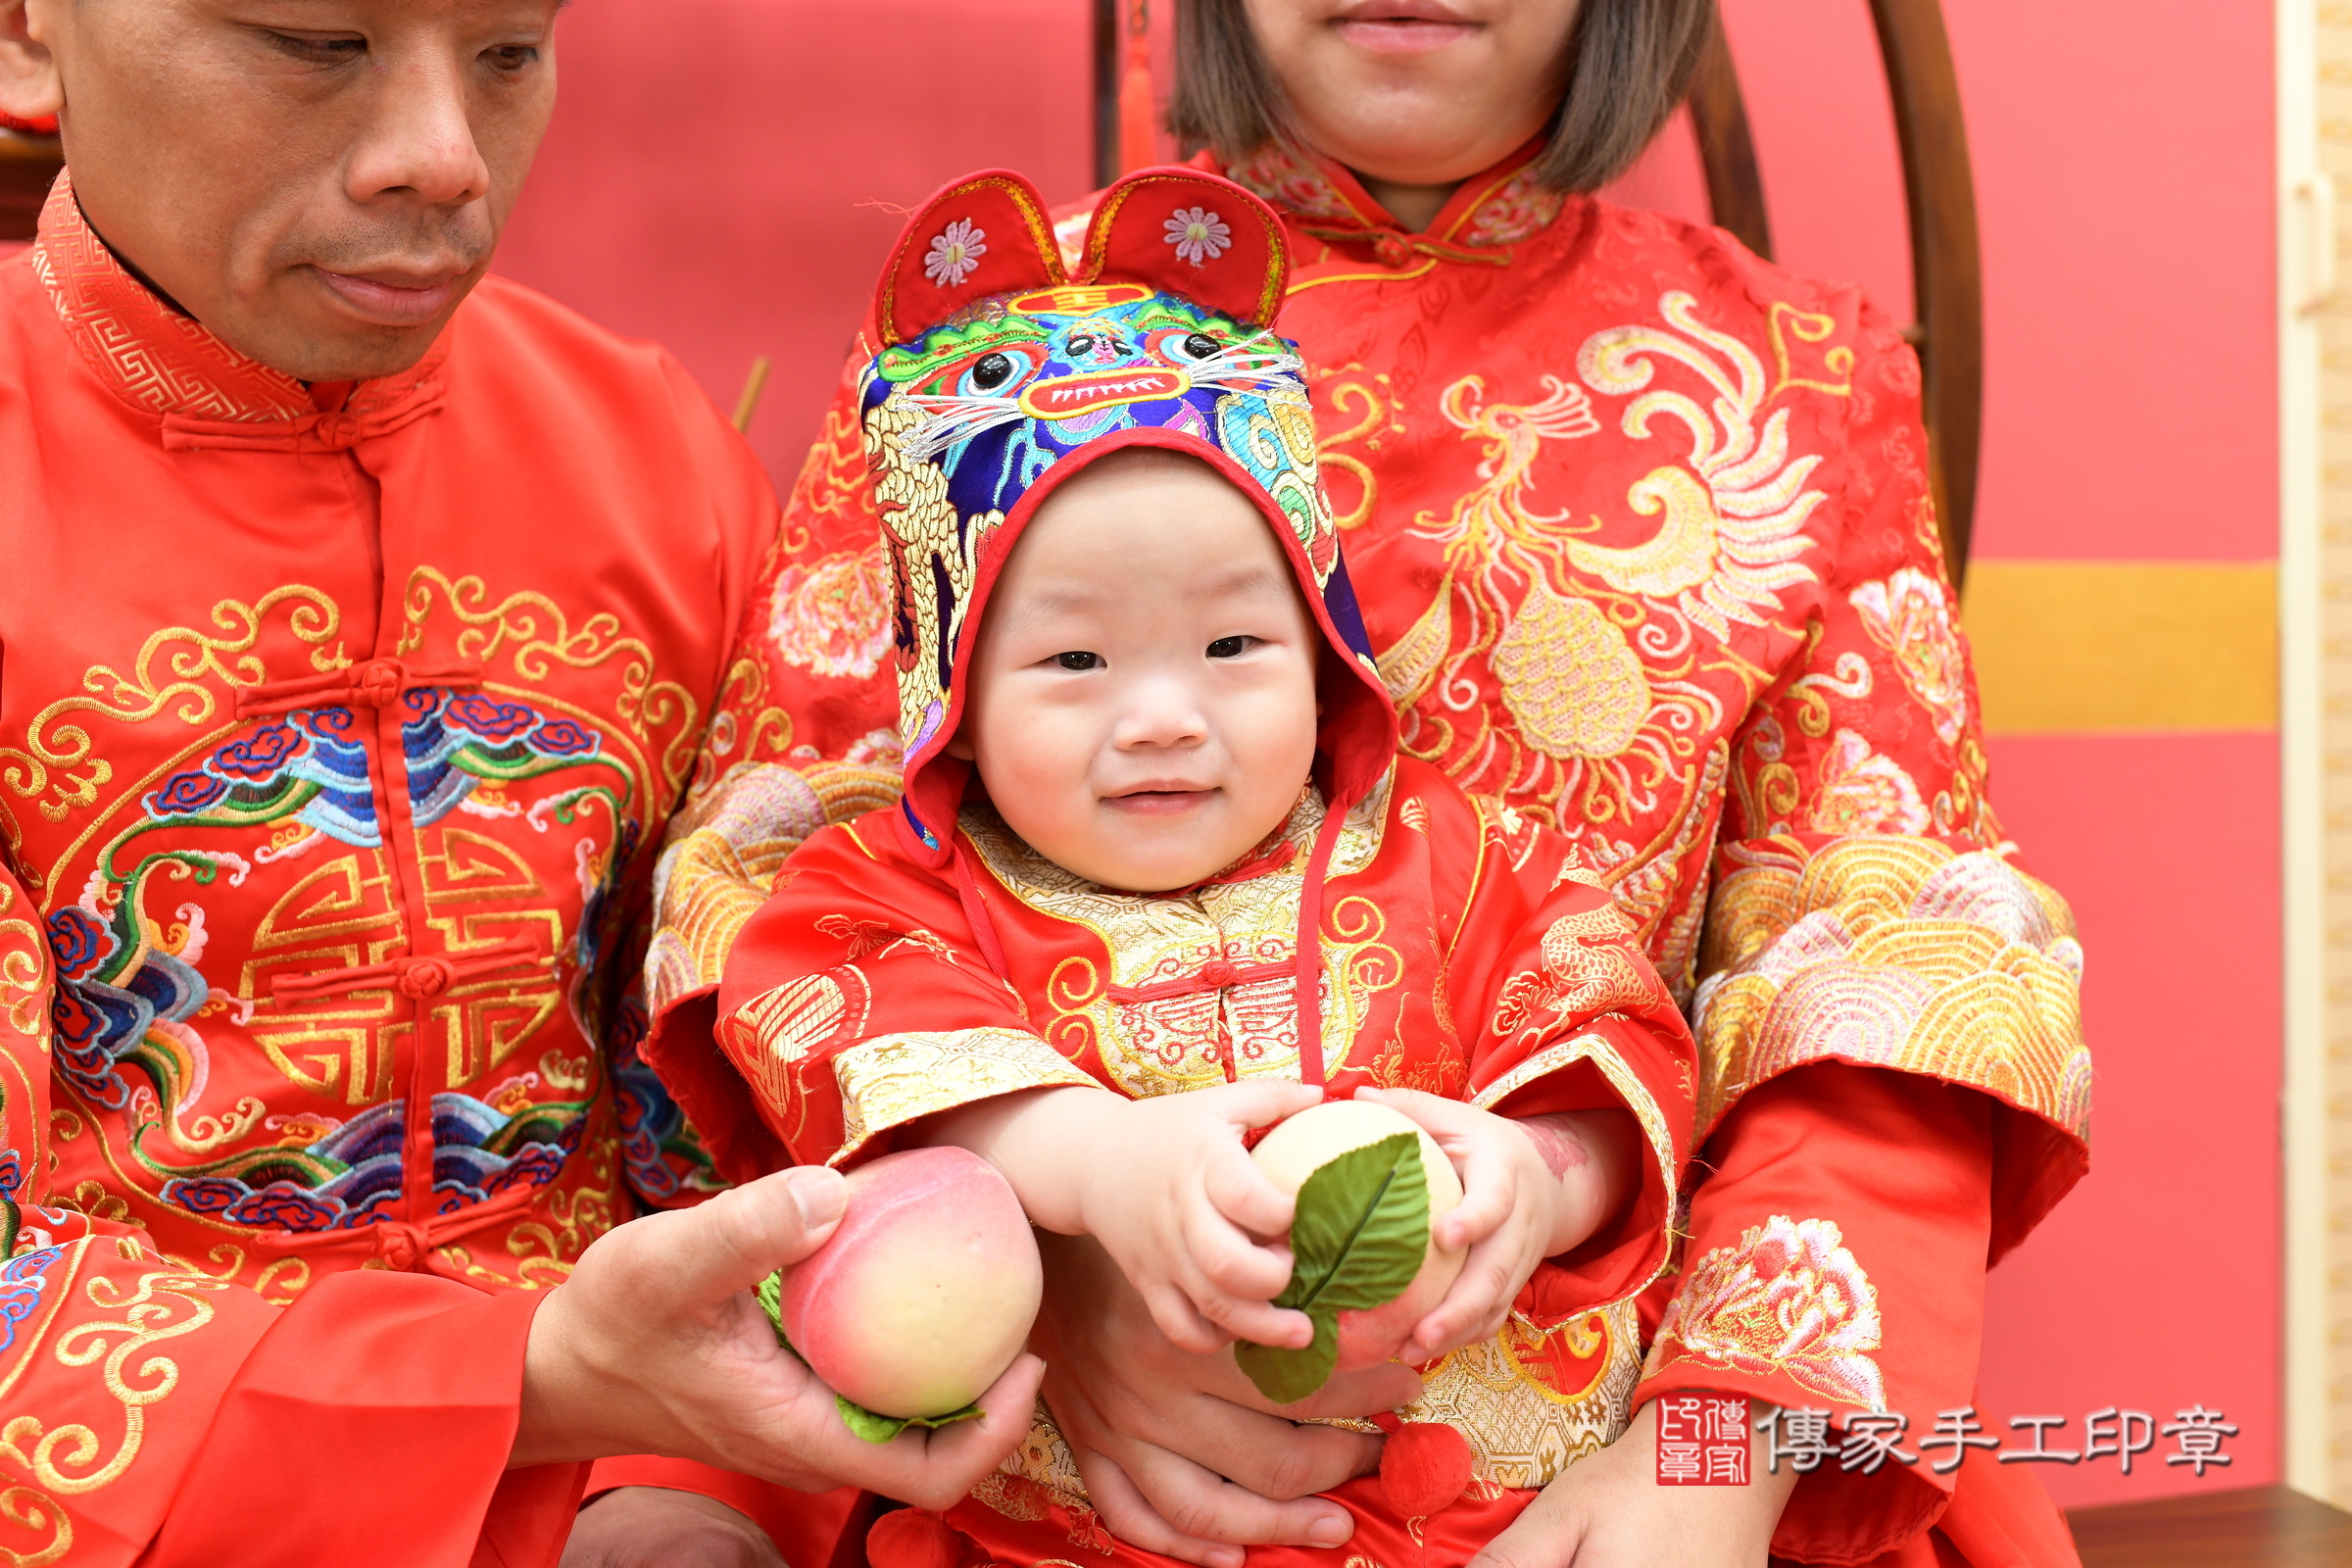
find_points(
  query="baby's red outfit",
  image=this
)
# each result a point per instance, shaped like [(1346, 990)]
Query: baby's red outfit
[(1392, 932)]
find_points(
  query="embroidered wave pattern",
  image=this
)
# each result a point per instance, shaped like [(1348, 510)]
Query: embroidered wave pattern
[(454, 742), (1891, 952), (352, 1176), (306, 766), (663, 1158), (116, 993)]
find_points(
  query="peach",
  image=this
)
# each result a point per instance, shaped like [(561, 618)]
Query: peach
[(1303, 1145), (925, 1293)]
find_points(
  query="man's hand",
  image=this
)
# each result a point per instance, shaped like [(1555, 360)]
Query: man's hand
[(1180, 1453), (656, 1345), (1609, 1511), (654, 1527)]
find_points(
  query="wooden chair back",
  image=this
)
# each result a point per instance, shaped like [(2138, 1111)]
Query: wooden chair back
[(29, 167), (1948, 278)]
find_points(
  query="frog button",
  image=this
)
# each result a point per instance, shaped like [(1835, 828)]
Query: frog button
[(426, 977)]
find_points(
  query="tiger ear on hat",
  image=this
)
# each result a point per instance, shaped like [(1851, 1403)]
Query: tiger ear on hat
[(1188, 232), (986, 233)]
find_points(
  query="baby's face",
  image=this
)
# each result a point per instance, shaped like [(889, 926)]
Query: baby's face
[(1142, 698)]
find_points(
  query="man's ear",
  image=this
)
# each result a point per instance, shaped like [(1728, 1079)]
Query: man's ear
[(30, 84)]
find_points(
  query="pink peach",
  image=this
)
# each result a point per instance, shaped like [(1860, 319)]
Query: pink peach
[(925, 1293), (1305, 1143)]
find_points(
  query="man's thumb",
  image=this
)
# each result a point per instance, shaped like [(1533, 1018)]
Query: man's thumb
[(739, 1237)]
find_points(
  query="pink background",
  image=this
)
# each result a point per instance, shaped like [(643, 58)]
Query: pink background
[(723, 175)]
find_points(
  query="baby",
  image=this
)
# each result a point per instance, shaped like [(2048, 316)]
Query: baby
[(1159, 877)]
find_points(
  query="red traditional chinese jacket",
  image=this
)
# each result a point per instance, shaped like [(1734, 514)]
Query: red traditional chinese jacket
[(1641, 530), (1392, 932), (336, 728)]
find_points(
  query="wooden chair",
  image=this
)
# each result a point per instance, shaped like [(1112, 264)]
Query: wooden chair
[(29, 167), (1948, 279), (1946, 273)]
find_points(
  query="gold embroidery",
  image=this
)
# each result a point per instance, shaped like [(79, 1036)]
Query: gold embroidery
[(194, 659), (1168, 1043), (1534, 1400), (149, 1314), (1731, 535), (1569, 679), (1893, 951), (725, 849), (1786, 320), (772, 1031), (1381, 413), (539, 631), (1789, 1299), (23, 973), (894, 1079)]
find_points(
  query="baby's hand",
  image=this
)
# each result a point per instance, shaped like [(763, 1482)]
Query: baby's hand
[(1531, 1190), (1179, 1204)]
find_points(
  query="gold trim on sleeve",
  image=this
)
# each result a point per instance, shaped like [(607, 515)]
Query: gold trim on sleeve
[(891, 1080)]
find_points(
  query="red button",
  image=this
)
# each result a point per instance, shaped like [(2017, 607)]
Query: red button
[(426, 977), (378, 681), (1393, 250), (1221, 974), (400, 1246), (337, 430)]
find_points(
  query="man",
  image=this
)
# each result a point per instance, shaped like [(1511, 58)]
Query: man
[(359, 620)]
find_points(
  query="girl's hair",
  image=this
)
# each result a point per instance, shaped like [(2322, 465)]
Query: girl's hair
[(1628, 64)]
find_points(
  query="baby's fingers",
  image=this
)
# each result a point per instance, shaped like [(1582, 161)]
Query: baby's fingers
[(1259, 1321), (1229, 1264), (1489, 1192), (1242, 1193), (1474, 1307), (1180, 1319)]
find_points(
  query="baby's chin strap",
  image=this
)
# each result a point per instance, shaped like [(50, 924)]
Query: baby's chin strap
[(1309, 990), (976, 911)]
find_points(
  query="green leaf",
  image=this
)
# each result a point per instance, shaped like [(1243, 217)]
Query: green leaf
[(877, 1428), (871, 1425), (770, 1294), (1284, 1375), (1357, 1239)]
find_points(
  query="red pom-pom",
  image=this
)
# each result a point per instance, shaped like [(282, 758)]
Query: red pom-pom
[(1424, 1467), (909, 1538)]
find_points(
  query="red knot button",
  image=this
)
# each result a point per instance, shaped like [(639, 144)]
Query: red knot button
[(424, 977), (1393, 250), (400, 1246), (335, 430), (1221, 974), (377, 682)]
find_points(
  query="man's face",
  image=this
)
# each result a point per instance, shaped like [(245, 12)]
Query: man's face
[(318, 182)]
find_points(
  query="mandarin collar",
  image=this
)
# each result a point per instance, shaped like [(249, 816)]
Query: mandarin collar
[(207, 394), (1488, 213)]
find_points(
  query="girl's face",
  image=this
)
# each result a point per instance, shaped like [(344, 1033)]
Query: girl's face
[(1142, 694), (1416, 92)]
